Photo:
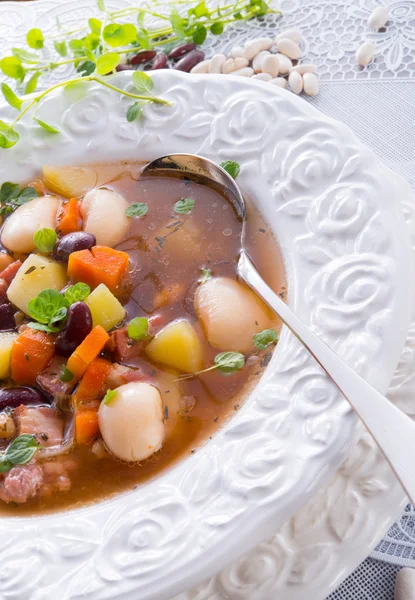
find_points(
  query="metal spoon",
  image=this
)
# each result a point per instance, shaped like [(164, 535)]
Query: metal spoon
[(392, 430)]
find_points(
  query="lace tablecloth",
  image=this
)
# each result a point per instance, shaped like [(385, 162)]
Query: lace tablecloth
[(378, 103)]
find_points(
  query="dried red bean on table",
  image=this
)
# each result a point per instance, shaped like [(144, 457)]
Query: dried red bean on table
[(181, 50), (159, 62), (126, 67), (142, 57), (187, 63)]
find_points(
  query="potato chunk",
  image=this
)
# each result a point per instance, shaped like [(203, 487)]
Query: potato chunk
[(131, 424), (106, 310), (20, 227), (71, 182), (178, 346), (36, 274), (231, 314), (7, 339)]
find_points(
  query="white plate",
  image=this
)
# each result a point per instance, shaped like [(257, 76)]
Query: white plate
[(349, 267)]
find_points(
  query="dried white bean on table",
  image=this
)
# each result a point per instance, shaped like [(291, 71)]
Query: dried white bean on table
[(365, 54), (202, 67), (237, 52), (233, 64), (262, 76), (296, 82), (378, 18), (289, 48), (292, 34), (285, 63), (246, 72), (257, 62), (271, 65), (279, 81), (216, 63), (304, 68), (254, 47), (311, 84)]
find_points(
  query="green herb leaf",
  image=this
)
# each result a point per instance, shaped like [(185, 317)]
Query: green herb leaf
[(77, 293), (24, 56), (138, 209), (265, 338), (116, 35), (58, 316), (86, 68), (229, 362), (95, 25), (199, 34), (31, 85), (45, 239), (12, 67), (34, 39), (46, 126), (178, 23), (9, 191), (11, 97), (42, 327), (142, 82), (109, 396), (184, 206), (27, 195), (101, 5), (8, 136), (138, 329), (61, 48), (21, 449), (231, 167), (66, 375), (216, 28), (200, 10), (206, 274), (76, 45), (5, 465), (91, 42), (107, 62), (46, 306), (134, 111)]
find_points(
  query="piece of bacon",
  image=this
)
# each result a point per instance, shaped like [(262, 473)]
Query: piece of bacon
[(21, 483), (45, 422)]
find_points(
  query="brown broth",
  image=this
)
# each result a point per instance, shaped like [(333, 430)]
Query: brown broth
[(167, 252)]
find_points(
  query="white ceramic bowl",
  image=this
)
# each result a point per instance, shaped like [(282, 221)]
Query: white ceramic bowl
[(349, 267)]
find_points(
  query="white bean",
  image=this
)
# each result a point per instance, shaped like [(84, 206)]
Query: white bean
[(271, 65), (257, 62), (202, 67), (20, 227), (292, 34), (304, 68), (378, 18), (262, 76), (254, 47), (285, 64), (311, 84), (289, 48), (237, 52), (246, 72), (296, 82), (131, 424), (365, 54), (279, 81), (103, 212), (216, 63), (233, 64)]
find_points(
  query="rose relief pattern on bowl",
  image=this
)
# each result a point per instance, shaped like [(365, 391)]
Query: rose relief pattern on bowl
[(325, 196)]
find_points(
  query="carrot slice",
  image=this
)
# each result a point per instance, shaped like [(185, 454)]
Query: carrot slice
[(87, 351), (92, 385), (31, 353), (86, 425), (70, 217), (101, 264)]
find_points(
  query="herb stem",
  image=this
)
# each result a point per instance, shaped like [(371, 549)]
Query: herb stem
[(53, 65), (65, 33)]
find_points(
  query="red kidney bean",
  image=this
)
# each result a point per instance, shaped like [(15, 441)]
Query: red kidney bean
[(13, 397), (78, 325), (187, 63), (181, 50), (159, 62), (7, 320), (142, 57), (78, 240), (125, 67)]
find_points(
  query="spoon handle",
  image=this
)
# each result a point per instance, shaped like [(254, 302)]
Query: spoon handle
[(392, 430)]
